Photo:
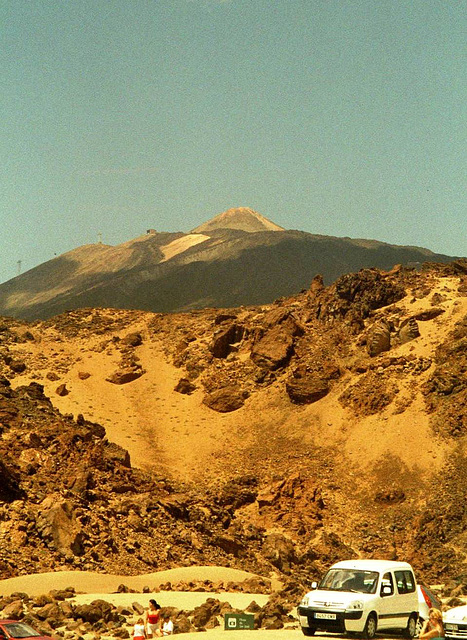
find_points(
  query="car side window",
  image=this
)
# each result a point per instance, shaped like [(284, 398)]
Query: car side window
[(387, 581), (405, 581)]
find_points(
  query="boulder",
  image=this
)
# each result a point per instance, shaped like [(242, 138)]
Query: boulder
[(82, 482), (18, 366), (13, 610), (229, 544), (307, 389), (316, 286), (52, 613), (132, 339), (42, 599), (239, 492), (224, 400), (280, 551), (428, 314), (183, 625), (379, 338), (274, 349), (57, 524), (98, 610), (223, 340), (9, 483), (115, 453), (408, 330)]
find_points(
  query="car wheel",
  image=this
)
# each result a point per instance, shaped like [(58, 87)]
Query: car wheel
[(411, 629), (371, 625), (420, 622), (309, 631)]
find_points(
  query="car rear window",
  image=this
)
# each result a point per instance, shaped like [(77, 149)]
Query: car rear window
[(21, 630)]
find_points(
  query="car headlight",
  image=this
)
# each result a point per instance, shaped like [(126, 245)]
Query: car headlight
[(304, 602), (356, 604)]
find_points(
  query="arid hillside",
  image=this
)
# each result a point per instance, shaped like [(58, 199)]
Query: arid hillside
[(274, 438)]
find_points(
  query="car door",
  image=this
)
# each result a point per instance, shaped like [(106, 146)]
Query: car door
[(407, 595), (388, 602)]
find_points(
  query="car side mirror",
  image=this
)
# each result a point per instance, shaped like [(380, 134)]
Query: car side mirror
[(386, 591)]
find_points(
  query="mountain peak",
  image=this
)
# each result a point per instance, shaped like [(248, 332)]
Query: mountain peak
[(242, 218)]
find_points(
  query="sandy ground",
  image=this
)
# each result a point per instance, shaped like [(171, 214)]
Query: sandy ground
[(88, 582)]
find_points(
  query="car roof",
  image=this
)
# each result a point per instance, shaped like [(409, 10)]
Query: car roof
[(372, 565)]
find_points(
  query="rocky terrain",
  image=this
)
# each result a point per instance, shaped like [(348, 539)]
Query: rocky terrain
[(276, 438), (59, 614), (238, 257)]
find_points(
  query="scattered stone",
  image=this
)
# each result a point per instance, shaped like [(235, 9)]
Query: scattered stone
[(132, 339), (61, 390), (185, 386), (124, 376)]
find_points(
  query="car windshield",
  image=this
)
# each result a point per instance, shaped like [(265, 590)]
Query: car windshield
[(350, 580), (21, 630)]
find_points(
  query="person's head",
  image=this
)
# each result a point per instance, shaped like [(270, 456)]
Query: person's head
[(140, 621), (436, 616), (166, 617), (154, 604)]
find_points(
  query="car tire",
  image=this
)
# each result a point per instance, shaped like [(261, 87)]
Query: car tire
[(411, 629), (370, 628), (420, 622), (309, 631)]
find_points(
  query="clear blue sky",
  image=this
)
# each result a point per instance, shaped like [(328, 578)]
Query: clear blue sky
[(338, 117)]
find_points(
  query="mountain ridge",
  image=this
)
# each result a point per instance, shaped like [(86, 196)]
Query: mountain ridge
[(213, 265)]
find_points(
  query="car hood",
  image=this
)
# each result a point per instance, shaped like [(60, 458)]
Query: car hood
[(323, 598), (458, 614)]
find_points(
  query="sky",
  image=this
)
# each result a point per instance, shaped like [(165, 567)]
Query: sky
[(335, 117)]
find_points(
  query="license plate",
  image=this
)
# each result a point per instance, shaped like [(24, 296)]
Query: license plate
[(325, 616), (451, 627)]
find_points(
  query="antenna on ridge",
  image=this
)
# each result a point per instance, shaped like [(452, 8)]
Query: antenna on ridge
[(99, 237), (19, 267)]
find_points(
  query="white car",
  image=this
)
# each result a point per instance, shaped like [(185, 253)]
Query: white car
[(362, 597), (455, 622)]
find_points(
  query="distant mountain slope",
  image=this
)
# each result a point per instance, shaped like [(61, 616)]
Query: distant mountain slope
[(237, 258)]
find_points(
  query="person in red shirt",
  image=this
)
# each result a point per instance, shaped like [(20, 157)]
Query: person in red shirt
[(152, 618)]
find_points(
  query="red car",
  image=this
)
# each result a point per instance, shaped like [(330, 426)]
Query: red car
[(16, 629)]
